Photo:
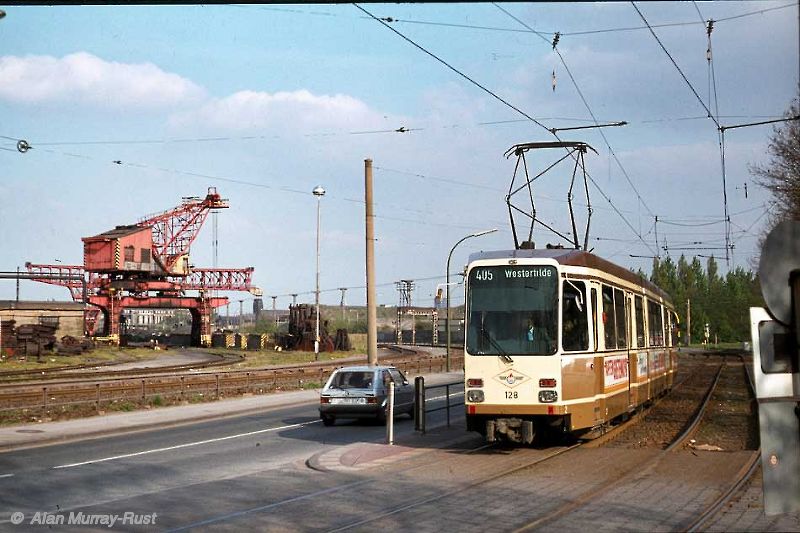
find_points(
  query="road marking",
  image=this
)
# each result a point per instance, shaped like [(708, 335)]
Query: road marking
[(269, 506), (6, 475), (186, 445), (444, 396)]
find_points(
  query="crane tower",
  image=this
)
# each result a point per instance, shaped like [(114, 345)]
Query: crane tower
[(146, 265)]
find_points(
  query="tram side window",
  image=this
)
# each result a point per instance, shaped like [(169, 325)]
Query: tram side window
[(639, 308), (595, 327), (675, 329), (619, 310), (609, 328), (656, 324), (668, 329), (672, 332), (575, 332)]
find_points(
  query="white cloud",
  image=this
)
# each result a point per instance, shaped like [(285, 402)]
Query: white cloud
[(285, 111), (84, 78)]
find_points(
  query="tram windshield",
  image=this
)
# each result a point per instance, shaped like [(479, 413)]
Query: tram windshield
[(513, 310)]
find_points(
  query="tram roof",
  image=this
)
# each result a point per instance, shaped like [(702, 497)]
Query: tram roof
[(572, 257)]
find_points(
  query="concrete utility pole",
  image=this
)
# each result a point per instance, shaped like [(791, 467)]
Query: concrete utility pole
[(688, 321), (372, 310), (241, 314), (274, 311)]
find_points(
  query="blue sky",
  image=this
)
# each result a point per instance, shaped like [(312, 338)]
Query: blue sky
[(289, 89)]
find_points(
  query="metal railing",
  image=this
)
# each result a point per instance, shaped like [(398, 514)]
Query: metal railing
[(420, 407)]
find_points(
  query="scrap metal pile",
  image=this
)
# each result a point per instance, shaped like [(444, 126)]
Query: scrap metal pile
[(8, 339), (34, 339), (72, 345), (302, 331)]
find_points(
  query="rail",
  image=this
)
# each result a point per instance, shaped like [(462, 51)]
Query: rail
[(742, 477), (420, 406), (194, 386)]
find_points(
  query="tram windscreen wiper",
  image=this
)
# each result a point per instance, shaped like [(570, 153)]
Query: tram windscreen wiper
[(501, 353)]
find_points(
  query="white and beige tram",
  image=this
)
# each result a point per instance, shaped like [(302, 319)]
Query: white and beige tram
[(560, 339)]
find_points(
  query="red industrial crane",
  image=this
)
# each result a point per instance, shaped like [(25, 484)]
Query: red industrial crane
[(174, 230), (146, 265)]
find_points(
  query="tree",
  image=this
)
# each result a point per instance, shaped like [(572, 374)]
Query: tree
[(781, 176)]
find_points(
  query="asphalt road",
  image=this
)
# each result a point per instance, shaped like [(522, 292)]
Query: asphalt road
[(200, 475)]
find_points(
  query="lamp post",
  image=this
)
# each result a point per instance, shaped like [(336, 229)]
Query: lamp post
[(478, 234), (319, 192)]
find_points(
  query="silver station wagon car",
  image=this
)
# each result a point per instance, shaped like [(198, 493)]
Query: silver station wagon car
[(362, 392)]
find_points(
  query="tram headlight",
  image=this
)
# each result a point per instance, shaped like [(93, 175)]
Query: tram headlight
[(475, 396), (548, 396)]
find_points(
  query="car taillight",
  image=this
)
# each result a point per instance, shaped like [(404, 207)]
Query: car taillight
[(324, 400), (474, 382), (547, 382), (372, 400)]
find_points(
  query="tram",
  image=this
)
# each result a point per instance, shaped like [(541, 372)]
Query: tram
[(561, 340)]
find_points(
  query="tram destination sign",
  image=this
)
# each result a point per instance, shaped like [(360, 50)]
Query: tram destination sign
[(502, 276)]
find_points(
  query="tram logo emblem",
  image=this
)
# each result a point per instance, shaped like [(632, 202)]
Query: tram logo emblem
[(511, 379)]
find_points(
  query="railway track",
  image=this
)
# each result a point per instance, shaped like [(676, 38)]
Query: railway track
[(187, 384), (95, 370), (512, 470), (88, 371), (742, 478)]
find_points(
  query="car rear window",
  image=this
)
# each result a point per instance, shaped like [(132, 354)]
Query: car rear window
[(352, 380)]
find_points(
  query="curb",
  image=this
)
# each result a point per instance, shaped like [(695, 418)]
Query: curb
[(331, 460)]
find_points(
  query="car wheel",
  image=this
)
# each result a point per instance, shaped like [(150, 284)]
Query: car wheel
[(328, 420), (382, 416)]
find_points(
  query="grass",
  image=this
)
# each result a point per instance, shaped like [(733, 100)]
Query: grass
[(102, 354), (109, 354), (718, 346), (264, 358)]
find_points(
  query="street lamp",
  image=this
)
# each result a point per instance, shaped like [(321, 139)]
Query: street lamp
[(478, 234), (319, 192)]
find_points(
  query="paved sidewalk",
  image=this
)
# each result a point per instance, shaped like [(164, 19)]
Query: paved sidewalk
[(41, 434), (371, 455)]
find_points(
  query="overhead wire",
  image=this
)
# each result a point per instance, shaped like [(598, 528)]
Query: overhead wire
[(475, 185), (675, 64), (720, 130), (186, 140), (401, 129), (586, 104), (452, 68), (247, 183), (384, 284), (517, 30), (588, 108), (712, 82), (497, 97)]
